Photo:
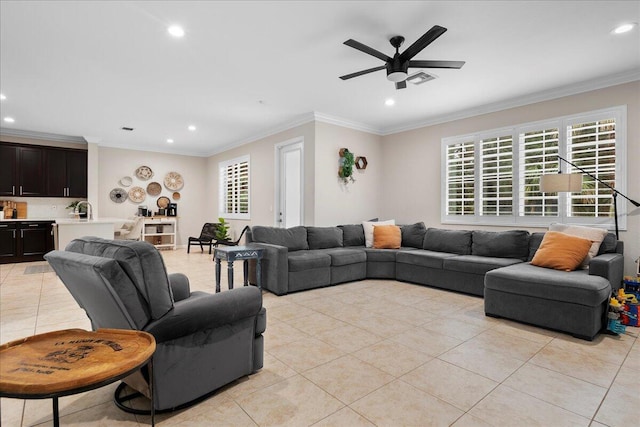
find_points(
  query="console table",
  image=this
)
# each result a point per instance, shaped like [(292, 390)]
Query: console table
[(237, 253), (72, 361), (160, 232)]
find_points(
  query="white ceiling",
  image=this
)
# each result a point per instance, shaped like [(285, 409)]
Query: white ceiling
[(246, 69)]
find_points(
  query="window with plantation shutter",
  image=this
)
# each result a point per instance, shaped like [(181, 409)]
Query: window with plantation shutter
[(496, 176), (460, 165), (592, 147), (233, 190), (538, 151), (493, 177)]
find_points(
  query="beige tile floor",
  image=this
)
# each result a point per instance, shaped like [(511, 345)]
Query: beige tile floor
[(374, 352)]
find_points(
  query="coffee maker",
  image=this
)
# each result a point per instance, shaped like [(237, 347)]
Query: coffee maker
[(172, 209)]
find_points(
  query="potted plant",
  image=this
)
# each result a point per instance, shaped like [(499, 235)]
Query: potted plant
[(222, 233), (82, 211), (347, 161)]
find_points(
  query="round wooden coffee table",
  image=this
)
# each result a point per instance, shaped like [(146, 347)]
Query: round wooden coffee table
[(72, 361)]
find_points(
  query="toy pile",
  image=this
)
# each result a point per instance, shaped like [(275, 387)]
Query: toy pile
[(623, 306)]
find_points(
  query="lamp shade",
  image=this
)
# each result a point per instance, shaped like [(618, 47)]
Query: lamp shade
[(561, 182)]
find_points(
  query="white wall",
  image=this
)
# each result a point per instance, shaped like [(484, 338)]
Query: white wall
[(411, 185), (337, 203), (115, 163)]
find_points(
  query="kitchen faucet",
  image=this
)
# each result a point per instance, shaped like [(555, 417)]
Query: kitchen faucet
[(85, 202)]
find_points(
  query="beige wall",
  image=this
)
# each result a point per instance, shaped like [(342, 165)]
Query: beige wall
[(411, 184), (337, 203), (115, 163), (262, 158)]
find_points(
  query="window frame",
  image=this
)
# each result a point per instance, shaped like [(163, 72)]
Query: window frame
[(562, 123), (222, 189)]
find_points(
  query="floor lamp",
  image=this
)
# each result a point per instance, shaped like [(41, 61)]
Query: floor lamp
[(560, 182)]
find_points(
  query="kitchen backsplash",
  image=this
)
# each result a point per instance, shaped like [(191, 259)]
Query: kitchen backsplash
[(44, 207)]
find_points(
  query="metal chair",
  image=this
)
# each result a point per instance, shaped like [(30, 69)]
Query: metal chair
[(207, 237), (231, 242)]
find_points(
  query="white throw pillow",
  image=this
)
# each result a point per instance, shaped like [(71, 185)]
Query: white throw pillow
[(368, 230), (596, 235)]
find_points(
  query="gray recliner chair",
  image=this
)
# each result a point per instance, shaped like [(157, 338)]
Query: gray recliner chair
[(203, 341)]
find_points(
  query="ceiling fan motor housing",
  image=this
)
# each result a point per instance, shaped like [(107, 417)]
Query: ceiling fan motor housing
[(397, 70)]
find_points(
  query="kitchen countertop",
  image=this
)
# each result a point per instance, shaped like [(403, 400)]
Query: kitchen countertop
[(27, 219), (106, 220)]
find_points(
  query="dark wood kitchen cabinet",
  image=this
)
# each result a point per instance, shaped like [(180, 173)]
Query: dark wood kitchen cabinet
[(66, 173), (24, 171), (39, 171), (22, 241)]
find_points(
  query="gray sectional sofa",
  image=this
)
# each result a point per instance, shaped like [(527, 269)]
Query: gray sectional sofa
[(484, 263)]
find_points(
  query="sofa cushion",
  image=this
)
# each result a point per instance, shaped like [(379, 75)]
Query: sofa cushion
[(609, 244), (413, 235), (501, 244), (352, 235), (429, 259), (307, 260), (576, 287), (476, 264), (596, 235), (561, 251), (324, 237), (451, 241), (294, 238), (368, 230), (387, 237), (381, 255), (345, 256), (534, 243)]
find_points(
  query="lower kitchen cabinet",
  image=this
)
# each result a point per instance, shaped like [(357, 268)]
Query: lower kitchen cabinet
[(22, 241)]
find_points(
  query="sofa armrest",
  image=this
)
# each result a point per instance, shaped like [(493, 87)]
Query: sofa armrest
[(609, 266), (275, 267), (203, 311), (179, 286)]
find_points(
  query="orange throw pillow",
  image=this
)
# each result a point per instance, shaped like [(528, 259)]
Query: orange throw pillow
[(561, 251), (387, 237)]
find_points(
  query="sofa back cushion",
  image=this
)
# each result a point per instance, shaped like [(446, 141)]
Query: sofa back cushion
[(450, 241), (294, 238), (413, 235), (324, 237), (352, 234), (501, 244)]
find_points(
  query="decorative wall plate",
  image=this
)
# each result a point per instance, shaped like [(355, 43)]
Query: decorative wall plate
[(154, 188), (137, 194), (176, 195), (126, 181), (163, 202), (173, 181), (144, 173), (118, 195)]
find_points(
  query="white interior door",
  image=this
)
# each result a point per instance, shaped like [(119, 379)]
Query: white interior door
[(290, 183)]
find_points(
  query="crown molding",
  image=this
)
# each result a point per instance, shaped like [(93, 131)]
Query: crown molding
[(547, 95), (42, 136), (338, 121)]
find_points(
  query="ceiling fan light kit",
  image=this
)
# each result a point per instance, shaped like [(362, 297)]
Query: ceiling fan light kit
[(398, 66)]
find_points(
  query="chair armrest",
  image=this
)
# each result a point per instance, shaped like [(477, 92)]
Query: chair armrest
[(275, 267), (179, 286), (609, 266), (204, 311)]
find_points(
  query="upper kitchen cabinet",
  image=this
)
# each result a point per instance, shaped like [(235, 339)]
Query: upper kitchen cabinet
[(22, 169), (66, 173), (38, 171)]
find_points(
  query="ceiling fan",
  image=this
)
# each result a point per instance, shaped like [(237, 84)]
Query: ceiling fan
[(398, 65)]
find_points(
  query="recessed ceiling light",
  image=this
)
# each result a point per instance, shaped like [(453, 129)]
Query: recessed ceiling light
[(624, 28), (176, 31), (9, 119), (2, 97), (191, 128), (169, 141), (389, 102)]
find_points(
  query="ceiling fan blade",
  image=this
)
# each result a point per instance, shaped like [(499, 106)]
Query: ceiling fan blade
[(366, 49), (424, 41), (401, 85), (436, 64), (360, 73)]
